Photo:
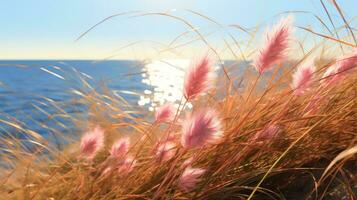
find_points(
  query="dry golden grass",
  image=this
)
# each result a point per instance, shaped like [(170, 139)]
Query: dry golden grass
[(292, 161), (288, 166)]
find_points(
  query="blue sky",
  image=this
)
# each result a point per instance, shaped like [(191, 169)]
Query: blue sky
[(42, 29)]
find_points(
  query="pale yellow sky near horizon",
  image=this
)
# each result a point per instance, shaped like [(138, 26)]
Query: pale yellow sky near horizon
[(130, 51)]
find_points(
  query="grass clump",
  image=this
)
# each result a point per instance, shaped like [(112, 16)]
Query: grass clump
[(262, 135)]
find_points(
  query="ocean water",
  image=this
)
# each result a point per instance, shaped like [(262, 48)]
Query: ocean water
[(27, 87), (24, 82)]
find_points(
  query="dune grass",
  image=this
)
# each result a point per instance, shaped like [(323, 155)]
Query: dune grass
[(275, 144)]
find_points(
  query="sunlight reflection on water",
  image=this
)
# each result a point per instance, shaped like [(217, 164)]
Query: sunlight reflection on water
[(165, 78)]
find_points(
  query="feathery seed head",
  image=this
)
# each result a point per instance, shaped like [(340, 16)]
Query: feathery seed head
[(91, 143), (275, 46), (190, 178), (199, 128), (343, 66), (127, 165), (165, 113), (120, 147), (347, 64), (302, 79), (198, 79), (165, 151)]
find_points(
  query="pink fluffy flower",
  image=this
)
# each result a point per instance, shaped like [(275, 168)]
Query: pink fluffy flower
[(302, 79), (198, 79), (275, 46), (199, 128), (126, 165), (347, 63), (189, 178), (120, 147), (342, 67), (165, 113), (329, 77), (92, 142), (165, 151)]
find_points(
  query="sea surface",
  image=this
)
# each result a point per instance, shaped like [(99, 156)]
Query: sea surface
[(27, 87)]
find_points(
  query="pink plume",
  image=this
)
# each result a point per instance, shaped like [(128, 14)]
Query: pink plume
[(165, 152), (302, 79), (342, 67), (329, 77), (120, 147), (165, 113), (198, 79), (190, 178), (169, 138), (347, 63), (127, 165), (275, 46), (92, 142), (201, 127)]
